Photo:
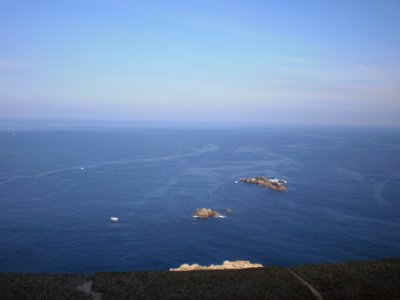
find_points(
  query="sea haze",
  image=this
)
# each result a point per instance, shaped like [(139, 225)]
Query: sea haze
[(59, 186)]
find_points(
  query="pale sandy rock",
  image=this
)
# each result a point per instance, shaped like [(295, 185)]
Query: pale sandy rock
[(185, 267), (227, 265)]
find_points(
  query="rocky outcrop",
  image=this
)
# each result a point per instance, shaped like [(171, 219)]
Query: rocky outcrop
[(227, 265), (205, 213), (265, 182)]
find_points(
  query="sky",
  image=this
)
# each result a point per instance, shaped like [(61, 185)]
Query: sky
[(305, 61)]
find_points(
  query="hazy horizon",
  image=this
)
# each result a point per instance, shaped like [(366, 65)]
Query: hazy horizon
[(307, 62)]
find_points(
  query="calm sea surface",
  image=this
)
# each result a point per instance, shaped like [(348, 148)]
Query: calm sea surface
[(342, 203)]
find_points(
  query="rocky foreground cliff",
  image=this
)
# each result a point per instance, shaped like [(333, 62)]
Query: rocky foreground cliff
[(350, 280)]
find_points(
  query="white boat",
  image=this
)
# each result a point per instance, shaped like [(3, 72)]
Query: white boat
[(114, 219)]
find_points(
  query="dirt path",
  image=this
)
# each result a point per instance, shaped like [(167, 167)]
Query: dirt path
[(87, 289), (313, 291)]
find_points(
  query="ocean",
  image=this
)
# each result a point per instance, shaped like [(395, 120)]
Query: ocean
[(61, 183)]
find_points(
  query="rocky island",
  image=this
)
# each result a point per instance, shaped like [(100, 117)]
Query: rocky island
[(205, 213), (273, 184)]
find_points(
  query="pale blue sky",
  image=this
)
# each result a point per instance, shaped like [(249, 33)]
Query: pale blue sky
[(335, 62)]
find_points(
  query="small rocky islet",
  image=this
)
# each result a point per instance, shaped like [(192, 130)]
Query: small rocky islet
[(273, 184), (204, 213)]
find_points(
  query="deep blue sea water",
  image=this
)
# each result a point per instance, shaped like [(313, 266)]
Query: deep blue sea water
[(342, 203)]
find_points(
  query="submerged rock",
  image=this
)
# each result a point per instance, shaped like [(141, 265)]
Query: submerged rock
[(205, 213), (227, 265), (265, 182)]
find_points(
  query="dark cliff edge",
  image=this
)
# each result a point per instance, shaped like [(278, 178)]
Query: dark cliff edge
[(378, 279)]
